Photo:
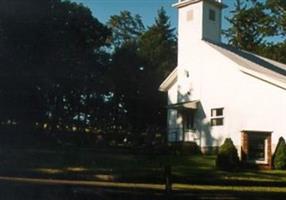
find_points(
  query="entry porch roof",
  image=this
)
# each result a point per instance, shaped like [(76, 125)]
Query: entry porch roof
[(184, 105)]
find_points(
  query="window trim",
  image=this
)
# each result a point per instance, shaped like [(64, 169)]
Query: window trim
[(215, 117)]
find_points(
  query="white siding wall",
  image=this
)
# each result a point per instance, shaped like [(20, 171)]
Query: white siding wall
[(249, 103), (189, 31), (172, 94), (215, 80), (262, 107)]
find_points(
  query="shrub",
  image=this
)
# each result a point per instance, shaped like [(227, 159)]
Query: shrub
[(227, 157), (279, 160)]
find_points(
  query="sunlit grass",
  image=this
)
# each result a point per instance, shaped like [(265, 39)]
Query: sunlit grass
[(255, 189), (76, 169), (48, 170), (104, 177)]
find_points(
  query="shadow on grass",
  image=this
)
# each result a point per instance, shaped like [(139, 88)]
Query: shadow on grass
[(13, 191), (79, 164), (16, 191)]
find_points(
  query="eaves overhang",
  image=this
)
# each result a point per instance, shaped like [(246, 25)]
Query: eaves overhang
[(169, 81)]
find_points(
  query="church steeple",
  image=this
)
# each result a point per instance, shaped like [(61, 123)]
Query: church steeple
[(198, 20)]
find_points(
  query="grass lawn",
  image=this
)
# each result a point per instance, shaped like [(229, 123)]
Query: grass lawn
[(92, 165)]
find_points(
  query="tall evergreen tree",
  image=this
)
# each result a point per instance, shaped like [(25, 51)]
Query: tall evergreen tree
[(158, 47), (276, 28), (125, 28), (138, 67), (279, 158), (248, 25), (278, 15)]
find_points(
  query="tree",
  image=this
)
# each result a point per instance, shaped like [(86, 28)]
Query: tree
[(124, 75), (275, 51), (249, 25), (158, 46), (139, 64), (276, 11), (279, 161), (227, 157), (158, 50), (75, 41), (125, 28), (52, 60), (278, 15), (255, 23)]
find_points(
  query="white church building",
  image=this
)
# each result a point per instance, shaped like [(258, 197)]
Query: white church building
[(218, 92)]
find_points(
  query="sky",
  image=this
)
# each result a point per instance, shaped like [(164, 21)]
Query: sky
[(147, 9)]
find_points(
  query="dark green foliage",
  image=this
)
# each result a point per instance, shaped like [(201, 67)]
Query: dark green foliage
[(140, 61), (64, 71), (126, 28), (275, 51), (125, 74), (127, 87), (51, 62), (278, 16), (279, 159), (158, 47), (254, 24), (227, 157), (248, 25), (185, 148)]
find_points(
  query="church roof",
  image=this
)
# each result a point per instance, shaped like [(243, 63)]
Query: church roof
[(169, 81), (260, 67), (249, 63)]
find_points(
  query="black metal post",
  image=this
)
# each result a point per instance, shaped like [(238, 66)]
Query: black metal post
[(168, 179)]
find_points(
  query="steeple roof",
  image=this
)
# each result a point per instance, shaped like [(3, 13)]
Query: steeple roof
[(182, 3)]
